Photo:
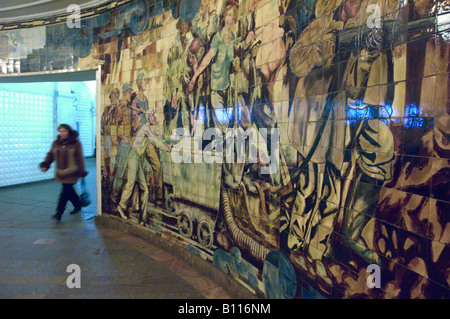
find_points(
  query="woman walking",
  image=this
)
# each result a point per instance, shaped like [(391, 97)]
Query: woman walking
[(66, 150)]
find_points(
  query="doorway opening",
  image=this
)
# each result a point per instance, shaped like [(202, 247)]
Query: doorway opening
[(31, 108)]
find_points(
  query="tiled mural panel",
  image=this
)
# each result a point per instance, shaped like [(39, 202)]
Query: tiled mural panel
[(336, 185)]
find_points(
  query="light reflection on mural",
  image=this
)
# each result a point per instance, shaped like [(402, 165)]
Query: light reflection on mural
[(363, 119)]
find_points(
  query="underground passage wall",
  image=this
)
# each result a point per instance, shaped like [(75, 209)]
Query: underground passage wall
[(302, 147)]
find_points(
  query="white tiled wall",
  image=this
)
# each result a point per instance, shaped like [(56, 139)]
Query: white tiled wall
[(28, 126), (84, 116), (26, 133)]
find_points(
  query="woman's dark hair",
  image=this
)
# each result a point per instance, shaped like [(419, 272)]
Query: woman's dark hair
[(66, 127)]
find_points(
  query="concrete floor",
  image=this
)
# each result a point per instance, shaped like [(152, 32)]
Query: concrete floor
[(36, 250)]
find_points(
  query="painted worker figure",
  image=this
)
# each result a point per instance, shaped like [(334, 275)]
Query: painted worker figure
[(325, 96), (122, 131), (143, 148)]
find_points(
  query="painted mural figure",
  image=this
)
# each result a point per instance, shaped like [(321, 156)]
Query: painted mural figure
[(177, 112), (150, 137), (311, 134), (242, 86), (205, 24), (222, 50), (219, 59), (199, 112), (139, 106), (140, 102), (123, 129), (108, 151), (207, 20), (266, 71), (106, 121), (368, 108), (142, 149), (321, 135)]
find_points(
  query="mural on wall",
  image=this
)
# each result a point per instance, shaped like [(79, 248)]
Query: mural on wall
[(300, 146)]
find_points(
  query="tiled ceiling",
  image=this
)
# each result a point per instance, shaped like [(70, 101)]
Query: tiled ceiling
[(20, 10)]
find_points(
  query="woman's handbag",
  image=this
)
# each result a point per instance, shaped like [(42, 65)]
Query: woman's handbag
[(85, 199)]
